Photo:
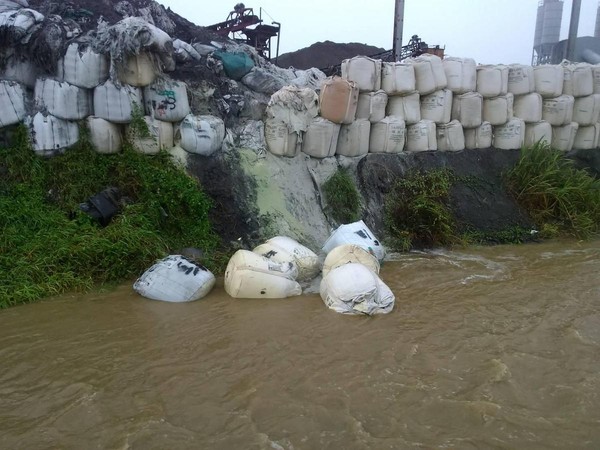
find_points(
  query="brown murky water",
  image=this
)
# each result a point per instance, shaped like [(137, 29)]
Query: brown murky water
[(486, 348)]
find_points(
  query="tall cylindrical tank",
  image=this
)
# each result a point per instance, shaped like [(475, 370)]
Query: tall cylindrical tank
[(552, 19), (539, 26)]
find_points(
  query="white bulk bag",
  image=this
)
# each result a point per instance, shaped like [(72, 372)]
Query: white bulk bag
[(175, 279), (480, 137), (492, 80), (51, 134), (468, 109), (82, 66), (510, 136), (437, 106), (12, 99), (18, 23), (353, 139), (280, 140), (338, 100), (295, 108), (563, 137), (167, 100), (62, 99), (586, 110), (388, 135), (138, 70), (371, 106), (321, 138), (20, 70), (356, 233), (450, 136), (249, 275), (349, 253), (461, 74), (586, 137), (535, 132), (578, 79), (407, 107), (105, 136), (310, 78), (498, 110), (596, 76), (116, 103), (398, 78), (424, 77), (437, 66), (185, 52), (283, 249), (520, 79), (421, 137), (558, 111), (160, 135), (203, 135), (548, 80), (364, 71), (355, 289), (528, 107)]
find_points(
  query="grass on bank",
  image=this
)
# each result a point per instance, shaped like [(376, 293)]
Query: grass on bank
[(48, 246), (342, 197)]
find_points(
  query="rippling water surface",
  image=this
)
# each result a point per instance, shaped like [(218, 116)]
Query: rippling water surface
[(487, 348)]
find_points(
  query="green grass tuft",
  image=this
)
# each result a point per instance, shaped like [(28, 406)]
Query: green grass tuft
[(342, 197)]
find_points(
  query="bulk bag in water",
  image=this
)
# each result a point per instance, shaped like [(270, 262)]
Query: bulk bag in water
[(510, 136), (563, 137), (528, 107), (468, 109), (578, 79), (105, 136), (82, 66), (116, 103), (398, 78), (450, 136), (548, 80), (480, 137), (282, 249), (338, 100), (520, 79), (364, 71), (320, 140), (406, 107), (371, 106), (437, 106), (356, 233), (492, 80), (586, 110), (249, 275), (138, 70), (167, 100), (355, 289), (12, 99), (587, 137), (461, 74), (558, 111), (354, 138), (62, 99), (149, 140), (202, 135), (387, 136), (535, 132), (421, 137), (175, 279), (498, 110), (349, 253), (51, 134), (280, 140)]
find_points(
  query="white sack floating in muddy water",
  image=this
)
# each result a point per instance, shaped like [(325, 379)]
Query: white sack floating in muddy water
[(349, 253), (357, 233), (282, 249)]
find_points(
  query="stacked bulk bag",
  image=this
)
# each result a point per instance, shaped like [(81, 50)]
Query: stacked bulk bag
[(371, 106), (528, 107), (421, 137), (398, 78), (105, 136), (321, 138), (354, 138), (509, 136), (492, 80), (138, 70), (480, 137), (264, 80), (578, 79), (586, 137), (437, 106), (596, 77), (21, 70), (62, 99), (586, 110), (450, 136), (406, 107), (563, 137), (249, 275), (498, 110), (355, 289), (157, 135), (364, 71), (167, 100), (280, 140), (387, 135), (349, 253), (81, 66), (538, 132), (338, 100), (12, 99), (18, 23), (282, 249), (549, 80), (356, 233), (429, 73), (461, 74), (51, 134), (202, 135), (521, 79), (116, 103), (467, 109), (175, 279), (558, 111)]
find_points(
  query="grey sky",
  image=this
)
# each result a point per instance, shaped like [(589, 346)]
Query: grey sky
[(489, 31)]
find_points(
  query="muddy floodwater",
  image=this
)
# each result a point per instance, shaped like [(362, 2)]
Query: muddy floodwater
[(493, 347)]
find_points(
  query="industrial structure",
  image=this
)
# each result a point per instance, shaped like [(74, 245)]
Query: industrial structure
[(547, 30)]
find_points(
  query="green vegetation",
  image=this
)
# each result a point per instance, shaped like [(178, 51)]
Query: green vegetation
[(48, 246), (560, 198), (342, 197)]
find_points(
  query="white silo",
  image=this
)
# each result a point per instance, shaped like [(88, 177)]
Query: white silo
[(547, 30)]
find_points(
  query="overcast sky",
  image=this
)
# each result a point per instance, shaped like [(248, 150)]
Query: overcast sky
[(489, 31)]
